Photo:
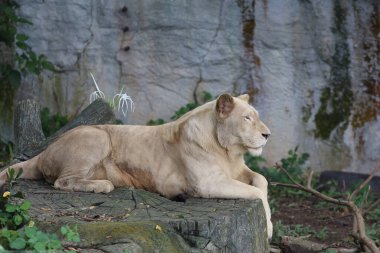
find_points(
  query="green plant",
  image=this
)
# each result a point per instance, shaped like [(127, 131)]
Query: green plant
[(6, 152), (297, 230), (26, 59), (16, 235), (51, 123), (22, 61), (373, 231), (71, 235), (206, 96), (156, 122), (294, 163), (13, 214)]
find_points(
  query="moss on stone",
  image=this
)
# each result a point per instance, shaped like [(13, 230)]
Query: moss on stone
[(336, 98), (368, 108), (145, 234)]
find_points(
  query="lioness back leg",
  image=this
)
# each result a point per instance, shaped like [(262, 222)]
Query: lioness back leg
[(74, 158)]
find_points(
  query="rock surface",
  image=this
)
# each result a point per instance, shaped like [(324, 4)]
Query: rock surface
[(141, 221), (312, 66)]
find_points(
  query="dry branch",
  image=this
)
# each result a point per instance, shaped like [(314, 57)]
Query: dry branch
[(358, 223)]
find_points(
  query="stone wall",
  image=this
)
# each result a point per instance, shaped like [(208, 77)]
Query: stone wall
[(311, 66)]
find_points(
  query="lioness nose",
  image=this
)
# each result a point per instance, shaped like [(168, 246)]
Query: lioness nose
[(266, 136)]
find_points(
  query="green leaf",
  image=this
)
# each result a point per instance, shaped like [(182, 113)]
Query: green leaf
[(21, 37), (30, 231), (48, 65), (64, 230), (24, 21), (25, 205), (22, 45), (39, 246), (19, 173), (17, 219), (18, 244), (10, 208), (14, 78), (11, 174)]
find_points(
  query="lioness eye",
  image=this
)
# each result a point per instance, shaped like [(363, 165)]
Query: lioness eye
[(247, 118)]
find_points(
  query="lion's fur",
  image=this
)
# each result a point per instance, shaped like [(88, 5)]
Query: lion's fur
[(200, 154)]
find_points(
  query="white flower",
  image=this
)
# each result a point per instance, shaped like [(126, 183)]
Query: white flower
[(123, 102), (96, 94)]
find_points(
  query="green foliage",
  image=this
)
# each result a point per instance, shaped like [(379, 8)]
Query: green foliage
[(13, 214), (30, 238), (294, 163), (71, 235), (374, 232), (25, 59), (156, 122), (6, 153), (206, 97), (296, 231), (16, 235), (51, 123)]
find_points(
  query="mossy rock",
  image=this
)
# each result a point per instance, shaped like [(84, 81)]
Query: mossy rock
[(141, 221)]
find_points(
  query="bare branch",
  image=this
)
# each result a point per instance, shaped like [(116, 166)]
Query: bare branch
[(310, 179), (365, 182)]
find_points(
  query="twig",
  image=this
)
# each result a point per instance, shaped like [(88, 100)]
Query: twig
[(309, 179), (358, 223), (365, 182), (372, 206)]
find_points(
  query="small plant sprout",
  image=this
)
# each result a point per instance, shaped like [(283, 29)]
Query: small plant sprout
[(98, 93), (123, 102)]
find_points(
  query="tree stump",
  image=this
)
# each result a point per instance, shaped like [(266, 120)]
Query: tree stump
[(27, 128), (30, 140)]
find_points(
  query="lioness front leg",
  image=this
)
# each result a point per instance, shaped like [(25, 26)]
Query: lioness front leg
[(233, 189), (84, 185)]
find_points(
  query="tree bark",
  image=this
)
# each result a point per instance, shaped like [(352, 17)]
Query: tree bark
[(27, 127), (30, 140)]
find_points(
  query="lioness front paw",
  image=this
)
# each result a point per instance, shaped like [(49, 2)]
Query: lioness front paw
[(103, 186), (270, 230)]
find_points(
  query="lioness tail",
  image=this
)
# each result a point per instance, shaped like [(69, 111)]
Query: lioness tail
[(30, 170)]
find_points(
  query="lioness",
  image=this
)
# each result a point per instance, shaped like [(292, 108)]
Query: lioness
[(200, 154)]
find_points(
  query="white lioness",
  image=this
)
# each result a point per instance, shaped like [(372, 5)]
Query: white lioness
[(200, 155)]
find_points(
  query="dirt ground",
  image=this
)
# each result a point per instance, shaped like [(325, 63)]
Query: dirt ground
[(336, 222)]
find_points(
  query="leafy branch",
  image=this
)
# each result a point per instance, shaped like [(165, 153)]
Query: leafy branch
[(23, 60)]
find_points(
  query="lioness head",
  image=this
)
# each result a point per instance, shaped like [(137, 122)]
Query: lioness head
[(239, 125)]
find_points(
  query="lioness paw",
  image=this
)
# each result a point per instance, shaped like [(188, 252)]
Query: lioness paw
[(270, 230), (103, 186), (84, 185)]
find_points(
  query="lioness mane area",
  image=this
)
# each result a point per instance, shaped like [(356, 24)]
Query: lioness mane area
[(199, 155)]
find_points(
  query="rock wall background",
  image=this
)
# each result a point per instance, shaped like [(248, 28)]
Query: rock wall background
[(312, 67)]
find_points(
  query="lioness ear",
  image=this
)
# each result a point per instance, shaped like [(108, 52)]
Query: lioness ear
[(244, 97), (224, 105)]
